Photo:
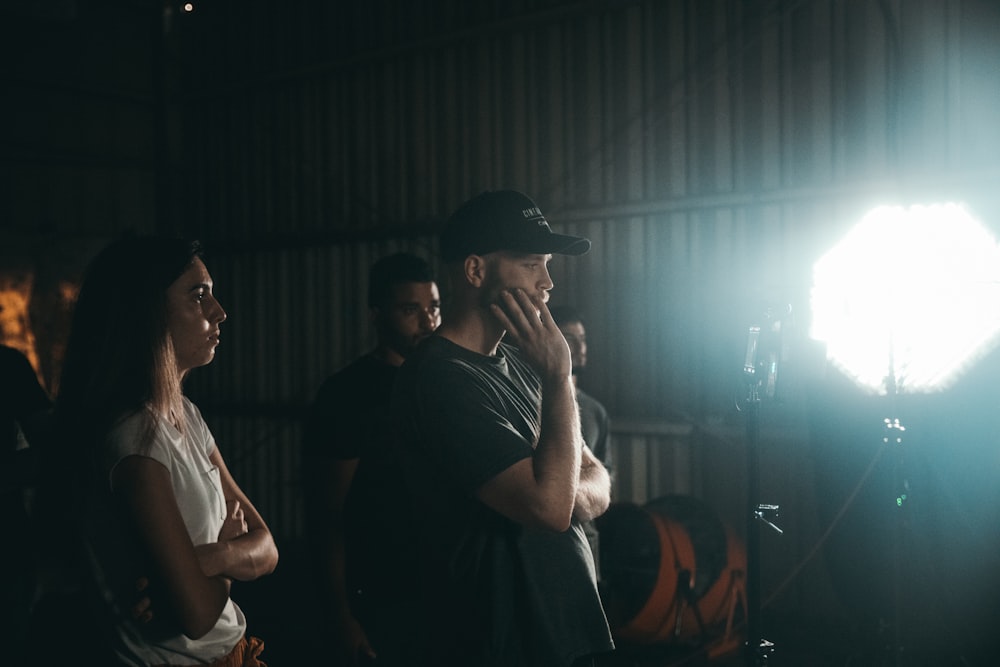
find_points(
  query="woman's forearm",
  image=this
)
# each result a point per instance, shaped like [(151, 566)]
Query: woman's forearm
[(244, 558)]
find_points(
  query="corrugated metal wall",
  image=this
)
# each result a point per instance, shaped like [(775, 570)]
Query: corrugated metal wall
[(80, 119), (712, 149)]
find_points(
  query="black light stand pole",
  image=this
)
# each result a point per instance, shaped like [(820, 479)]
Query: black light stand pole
[(757, 648), (754, 643), (893, 437)]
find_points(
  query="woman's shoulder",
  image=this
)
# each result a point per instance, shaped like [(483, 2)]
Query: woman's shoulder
[(130, 428), (140, 433)]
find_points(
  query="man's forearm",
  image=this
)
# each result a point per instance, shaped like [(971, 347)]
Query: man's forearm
[(557, 455)]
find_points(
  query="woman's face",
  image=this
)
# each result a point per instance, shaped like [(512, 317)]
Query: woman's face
[(193, 317)]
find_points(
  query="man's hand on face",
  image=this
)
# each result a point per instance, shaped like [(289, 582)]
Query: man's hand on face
[(529, 324)]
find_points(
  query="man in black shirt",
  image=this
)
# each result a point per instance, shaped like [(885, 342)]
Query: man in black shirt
[(352, 481), (496, 466)]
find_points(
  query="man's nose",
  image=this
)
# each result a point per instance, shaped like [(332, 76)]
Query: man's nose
[(428, 320), (546, 283)]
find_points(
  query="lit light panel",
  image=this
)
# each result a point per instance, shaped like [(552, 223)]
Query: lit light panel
[(909, 298)]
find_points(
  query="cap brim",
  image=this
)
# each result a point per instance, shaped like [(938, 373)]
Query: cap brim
[(577, 245), (559, 244)]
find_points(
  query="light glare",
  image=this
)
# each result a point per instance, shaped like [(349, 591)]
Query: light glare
[(908, 298)]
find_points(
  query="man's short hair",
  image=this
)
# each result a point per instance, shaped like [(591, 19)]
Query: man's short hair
[(392, 270), (565, 315)]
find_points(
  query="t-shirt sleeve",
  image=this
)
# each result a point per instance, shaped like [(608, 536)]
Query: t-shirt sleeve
[(602, 437), (125, 439)]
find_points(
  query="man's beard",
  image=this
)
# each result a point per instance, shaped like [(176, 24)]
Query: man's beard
[(491, 294), (403, 345)]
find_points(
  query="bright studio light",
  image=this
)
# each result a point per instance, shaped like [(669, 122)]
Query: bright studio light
[(909, 299)]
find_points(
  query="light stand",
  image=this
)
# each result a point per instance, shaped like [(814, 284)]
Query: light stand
[(893, 437), (758, 373)]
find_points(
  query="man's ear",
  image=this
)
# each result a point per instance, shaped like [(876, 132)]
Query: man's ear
[(475, 268)]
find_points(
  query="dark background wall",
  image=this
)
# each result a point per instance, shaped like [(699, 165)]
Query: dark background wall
[(713, 151)]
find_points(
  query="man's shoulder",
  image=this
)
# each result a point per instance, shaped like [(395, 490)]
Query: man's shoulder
[(363, 376), (439, 365), (434, 351), (366, 366)]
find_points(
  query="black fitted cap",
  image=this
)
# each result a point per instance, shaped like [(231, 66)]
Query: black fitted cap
[(504, 220)]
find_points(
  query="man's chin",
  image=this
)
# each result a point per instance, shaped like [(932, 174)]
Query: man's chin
[(405, 351)]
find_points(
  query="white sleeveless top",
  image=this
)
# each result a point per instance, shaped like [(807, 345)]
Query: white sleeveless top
[(198, 490)]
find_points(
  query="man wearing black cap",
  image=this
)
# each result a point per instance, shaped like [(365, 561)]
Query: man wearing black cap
[(497, 468)]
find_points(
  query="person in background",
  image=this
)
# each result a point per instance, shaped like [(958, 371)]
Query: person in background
[(497, 469), (24, 410), (594, 422), (132, 457), (352, 483)]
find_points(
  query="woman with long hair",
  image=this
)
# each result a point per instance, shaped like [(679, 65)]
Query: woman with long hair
[(155, 499)]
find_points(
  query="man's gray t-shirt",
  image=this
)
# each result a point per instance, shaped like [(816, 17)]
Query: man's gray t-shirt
[(508, 594)]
